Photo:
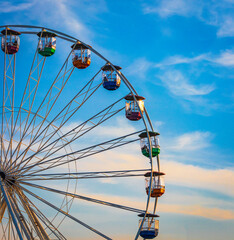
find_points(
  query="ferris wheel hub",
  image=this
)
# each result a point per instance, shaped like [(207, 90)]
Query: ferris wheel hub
[(2, 175)]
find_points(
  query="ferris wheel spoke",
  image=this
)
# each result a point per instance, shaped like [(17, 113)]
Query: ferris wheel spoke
[(50, 226), (75, 133), (48, 107), (65, 213), (93, 200), (31, 215), (2, 208), (64, 110), (35, 214), (65, 117), (10, 208), (83, 153), (65, 114), (31, 87), (31, 91), (20, 218), (51, 96), (3, 149), (8, 99), (84, 175), (56, 148), (45, 220), (6, 135), (4, 230)]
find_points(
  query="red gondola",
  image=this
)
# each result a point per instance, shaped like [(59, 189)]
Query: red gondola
[(10, 41), (132, 111)]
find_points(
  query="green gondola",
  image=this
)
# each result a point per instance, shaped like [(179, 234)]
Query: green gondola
[(47, 43), (154, 143)]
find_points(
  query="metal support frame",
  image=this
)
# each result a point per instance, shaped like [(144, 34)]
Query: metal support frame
[(85, 198), (50, 103), (10, 209), (66, 214)]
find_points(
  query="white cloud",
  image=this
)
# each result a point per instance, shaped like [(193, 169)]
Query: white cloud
[(191, 141), (49, 16), (218, 180), (7, 7), (179, 85), (216, 13), (130, 157), (157, 125), (225, 59), (139, 67), (174, 60), (60, 14), (198, 210), (168, 8), (226, 27), (184, 205), (191, 96)]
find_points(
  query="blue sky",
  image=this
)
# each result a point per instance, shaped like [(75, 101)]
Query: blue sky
[(179, 55)]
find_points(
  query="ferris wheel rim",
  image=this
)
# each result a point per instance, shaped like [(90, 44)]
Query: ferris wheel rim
[(132, 91)]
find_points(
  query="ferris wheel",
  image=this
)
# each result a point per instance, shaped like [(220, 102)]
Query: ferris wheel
[(59, 133)]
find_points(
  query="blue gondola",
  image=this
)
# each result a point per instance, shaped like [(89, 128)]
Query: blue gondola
[(150, 226), (111, 80)]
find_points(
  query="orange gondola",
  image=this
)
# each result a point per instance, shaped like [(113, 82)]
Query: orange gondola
[(158, 186), (81, 55)]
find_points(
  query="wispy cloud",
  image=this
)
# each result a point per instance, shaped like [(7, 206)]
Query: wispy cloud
[(8, 6), (177, 75), (139, 67), (198, 210), (174, 60), (216, 13), (191, 141), (217, 180), (166, 8), (48, 16), (184, 207), (226, 28), (60, 14), (179, 85), (224, 59), (177, 173), (192, 97)]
